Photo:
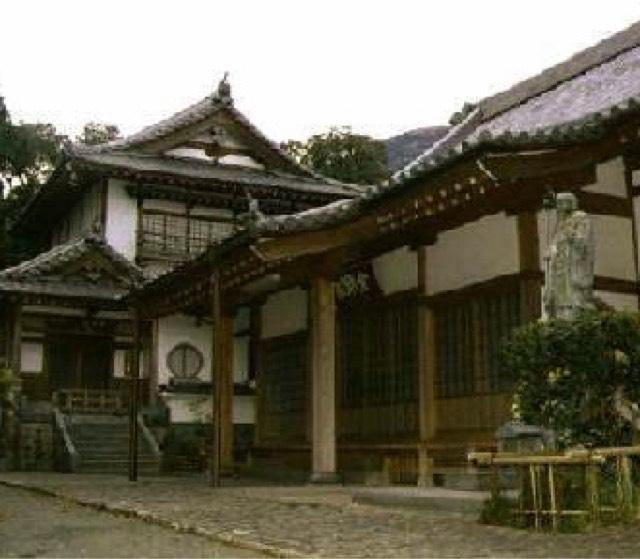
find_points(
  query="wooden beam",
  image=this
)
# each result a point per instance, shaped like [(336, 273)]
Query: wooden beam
[(323, 333)]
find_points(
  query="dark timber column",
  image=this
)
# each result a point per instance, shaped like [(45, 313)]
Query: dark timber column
[(323, 389), (529, 253), (222, 386), (216, 313), (16, 338), (225, 366), (133, 398), (427, 415)]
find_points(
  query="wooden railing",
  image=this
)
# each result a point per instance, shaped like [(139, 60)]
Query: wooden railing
[(587, 483), (84, 400)]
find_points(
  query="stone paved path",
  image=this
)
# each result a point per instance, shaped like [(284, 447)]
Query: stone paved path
[(34, 525), (322, 521)]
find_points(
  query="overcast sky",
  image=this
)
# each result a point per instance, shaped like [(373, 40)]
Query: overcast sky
[(297, 67)]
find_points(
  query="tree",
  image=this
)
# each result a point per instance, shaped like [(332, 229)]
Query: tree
[(28, 153), (95, 133), (340, 154), (569, 374)]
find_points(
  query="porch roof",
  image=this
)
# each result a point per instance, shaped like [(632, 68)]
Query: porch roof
[(87, 268)]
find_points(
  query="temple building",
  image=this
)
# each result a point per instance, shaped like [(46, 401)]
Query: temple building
[(113, 215), (377, 320), (357, 333)]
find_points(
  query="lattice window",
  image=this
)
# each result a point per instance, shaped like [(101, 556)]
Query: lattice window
[(202, 233), (178, 234), (378, 354), (469, 336), (283, 384)]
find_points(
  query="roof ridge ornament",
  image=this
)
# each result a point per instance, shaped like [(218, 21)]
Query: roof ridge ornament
[(223, 93)]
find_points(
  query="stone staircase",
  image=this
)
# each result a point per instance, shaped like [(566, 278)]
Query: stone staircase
[(102, 445)]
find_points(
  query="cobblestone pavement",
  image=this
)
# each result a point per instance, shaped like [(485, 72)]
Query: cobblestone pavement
[(323, 521), (34, 525)]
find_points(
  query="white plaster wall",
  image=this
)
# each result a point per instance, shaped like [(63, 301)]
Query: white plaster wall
[(396, 270), (31, 355), (619, 301), (610, 179), (188, 408), (284, 312), (122, 219), (613, 244), (475, 252), (176, 329), (241, 359), (244, 409), (119, 363)]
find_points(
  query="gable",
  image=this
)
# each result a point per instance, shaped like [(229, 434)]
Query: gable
[(88, 261)]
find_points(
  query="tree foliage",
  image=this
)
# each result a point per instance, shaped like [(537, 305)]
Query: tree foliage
[(567, 372), (340, 154), (94, 133)]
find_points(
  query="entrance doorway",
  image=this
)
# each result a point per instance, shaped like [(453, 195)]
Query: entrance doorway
[(79, 362)]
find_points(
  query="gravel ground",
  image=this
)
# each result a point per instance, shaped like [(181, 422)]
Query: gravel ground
[(324, 522), (34, 525)]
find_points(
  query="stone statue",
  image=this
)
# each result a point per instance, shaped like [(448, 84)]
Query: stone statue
[(570, 267)]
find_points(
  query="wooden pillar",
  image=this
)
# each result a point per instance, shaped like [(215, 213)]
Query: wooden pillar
[(323, 397), (225, 366), (427, 412), (133, 398), (153, 367), (16, 339), (216, 313), (221, 461), (529, 257)]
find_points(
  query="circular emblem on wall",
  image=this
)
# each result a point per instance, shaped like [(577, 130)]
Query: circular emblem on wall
[(185, 361)]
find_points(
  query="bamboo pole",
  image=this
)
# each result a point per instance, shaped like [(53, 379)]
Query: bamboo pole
[(552, 497), (625, 487), (533, 475), (593, 492)]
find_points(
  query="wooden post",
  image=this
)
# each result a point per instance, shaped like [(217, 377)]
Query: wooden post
[(625, 487), (323, 328), (224, 364), (427, 413), (593, 491), (216, 313), (553, 504), (153, 362), (133, 398), (529, 255), (16, 339)]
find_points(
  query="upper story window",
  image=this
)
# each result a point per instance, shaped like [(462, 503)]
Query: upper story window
[(172, 234)]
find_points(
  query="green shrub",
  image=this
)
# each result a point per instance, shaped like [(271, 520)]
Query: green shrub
[(566, 373)]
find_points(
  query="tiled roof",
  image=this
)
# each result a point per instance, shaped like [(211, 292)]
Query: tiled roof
[(571, 102), (567, 102), (218, 101), (42, 274), (154, 164)]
